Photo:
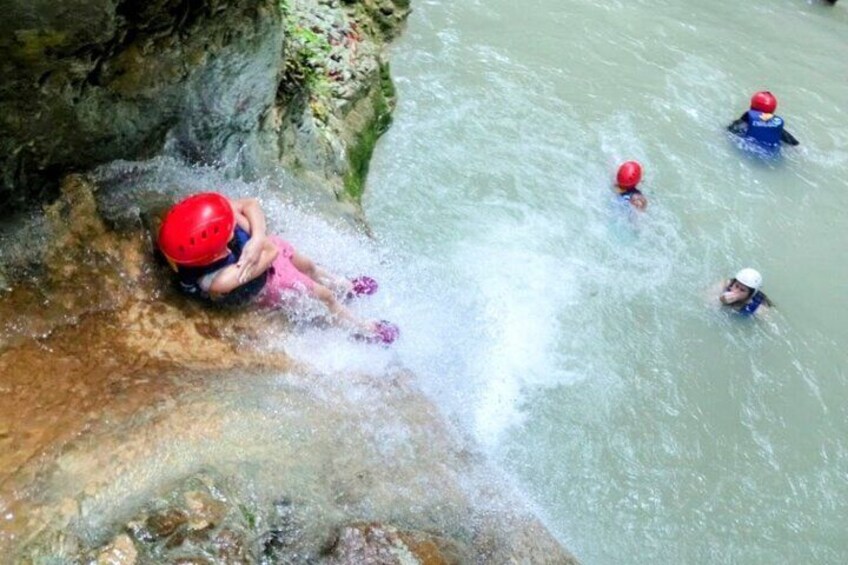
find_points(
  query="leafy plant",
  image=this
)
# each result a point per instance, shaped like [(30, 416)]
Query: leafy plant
[(305, 52)]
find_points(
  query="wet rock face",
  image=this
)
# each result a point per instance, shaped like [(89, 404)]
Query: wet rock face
[(205, 521), (244, 84), (336, 98), (89, 81), (386, 545), (388, 14)]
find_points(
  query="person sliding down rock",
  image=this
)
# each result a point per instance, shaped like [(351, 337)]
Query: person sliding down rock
[(220, 252), (761, 126)]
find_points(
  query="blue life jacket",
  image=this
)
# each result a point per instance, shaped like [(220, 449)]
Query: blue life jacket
[(765, 132), (189, 277), (631, 192), (751, 307)]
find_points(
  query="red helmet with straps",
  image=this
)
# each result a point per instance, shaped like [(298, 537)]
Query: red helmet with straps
[(764, 101), (629, 174), (196, 230)]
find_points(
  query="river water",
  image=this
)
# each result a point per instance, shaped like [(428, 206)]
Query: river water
[(579, 343)]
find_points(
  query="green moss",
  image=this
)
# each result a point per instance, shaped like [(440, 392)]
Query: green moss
[(305, 54), (359, 154), (34, 44), (387, 87), (248, 515)]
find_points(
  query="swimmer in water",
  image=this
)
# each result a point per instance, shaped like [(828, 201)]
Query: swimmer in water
[(742, 293), (628, 177), (221, 253), (761, 125)]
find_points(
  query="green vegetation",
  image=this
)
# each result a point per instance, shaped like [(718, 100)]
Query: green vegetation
[(305, 53), (32, 46), (359, 154), (248, 515)]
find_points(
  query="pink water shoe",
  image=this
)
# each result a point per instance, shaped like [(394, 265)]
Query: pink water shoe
[(363, 286), (384, 333)]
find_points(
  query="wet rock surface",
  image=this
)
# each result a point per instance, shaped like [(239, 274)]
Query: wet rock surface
[(385, 544), (176, 528), (294, 474), (243, 84), (92, 318), (115, 389), (89, 82)]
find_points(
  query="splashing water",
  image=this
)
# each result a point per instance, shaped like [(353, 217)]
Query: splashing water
[(581, 345)]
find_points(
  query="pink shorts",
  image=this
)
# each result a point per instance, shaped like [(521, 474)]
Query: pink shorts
[(283, 276)]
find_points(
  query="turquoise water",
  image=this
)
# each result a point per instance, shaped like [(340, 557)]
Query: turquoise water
[(580, 345)]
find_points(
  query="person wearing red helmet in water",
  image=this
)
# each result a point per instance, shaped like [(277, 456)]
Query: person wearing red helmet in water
[(626, 180), (761, 125), (221, 252)]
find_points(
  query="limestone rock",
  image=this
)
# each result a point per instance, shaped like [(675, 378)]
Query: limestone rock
[(120, 552), (382, 544), (89, 81), (204, 511), (164, 524)]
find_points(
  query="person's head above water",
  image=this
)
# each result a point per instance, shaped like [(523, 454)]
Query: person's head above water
[(751, 278), (764, 101), (196, 231), (744, 293), (629, 175), (743, 286)]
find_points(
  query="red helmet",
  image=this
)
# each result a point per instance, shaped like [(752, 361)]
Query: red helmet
[(764, 101), (629, 174), (196, 231)]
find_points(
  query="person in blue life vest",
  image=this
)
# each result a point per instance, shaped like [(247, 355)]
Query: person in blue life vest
[(743, 293), (761, 125), (626, 180)]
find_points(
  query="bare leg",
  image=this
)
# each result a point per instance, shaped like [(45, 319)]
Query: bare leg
[(339, 285), (339, 314)]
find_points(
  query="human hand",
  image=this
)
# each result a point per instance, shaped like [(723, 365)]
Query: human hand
[(250, 255), (732, 296), (639, 202)]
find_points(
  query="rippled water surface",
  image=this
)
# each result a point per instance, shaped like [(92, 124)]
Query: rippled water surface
[(578, 342)]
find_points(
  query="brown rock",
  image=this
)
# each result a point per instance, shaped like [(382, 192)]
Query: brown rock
[(230, 547), (204, 511), (381, 544), (120, 552), (432, 550), (164, 524)]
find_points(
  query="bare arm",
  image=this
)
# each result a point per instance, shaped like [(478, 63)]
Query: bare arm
[(249, 211), (229, 278)]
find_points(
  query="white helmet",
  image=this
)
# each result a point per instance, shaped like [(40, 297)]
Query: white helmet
[(750, 278)]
